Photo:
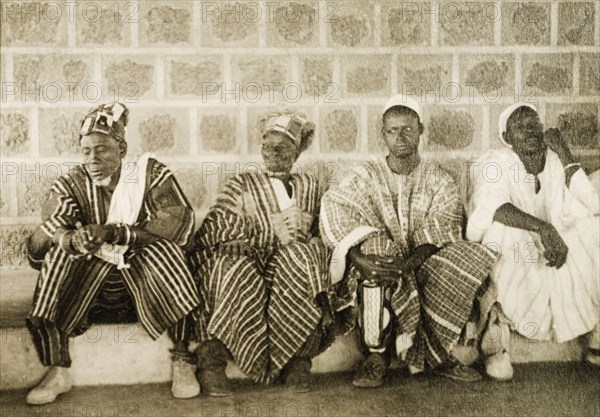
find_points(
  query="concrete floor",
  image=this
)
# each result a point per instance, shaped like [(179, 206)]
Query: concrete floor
[(538, 389)]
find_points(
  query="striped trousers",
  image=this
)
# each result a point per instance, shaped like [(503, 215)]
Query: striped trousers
[(158, 279), (113, 304)]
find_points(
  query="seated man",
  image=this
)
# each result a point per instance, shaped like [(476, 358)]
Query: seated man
[(110, 248), (537, 207), (399, 221), (262, 270)]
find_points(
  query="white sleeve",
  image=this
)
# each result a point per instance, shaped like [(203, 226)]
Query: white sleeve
[(491, 189), (582, 189)]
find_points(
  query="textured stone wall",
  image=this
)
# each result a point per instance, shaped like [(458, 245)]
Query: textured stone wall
[(197, 76)]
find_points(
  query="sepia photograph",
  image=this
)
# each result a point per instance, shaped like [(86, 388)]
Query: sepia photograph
[(299, 208)]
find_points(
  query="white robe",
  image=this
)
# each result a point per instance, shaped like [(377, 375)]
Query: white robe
[(542, 302)]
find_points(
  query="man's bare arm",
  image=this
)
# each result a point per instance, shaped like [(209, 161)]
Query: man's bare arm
[(512, 216), (555, 248)]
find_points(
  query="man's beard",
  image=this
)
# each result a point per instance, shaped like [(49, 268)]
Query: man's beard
[(534, 161), (104, 182)]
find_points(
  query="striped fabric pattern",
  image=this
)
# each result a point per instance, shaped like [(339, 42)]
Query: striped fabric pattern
[(262, 307), (433, 315), (113, 304), (369, 196), (158, 278), (453, 277)]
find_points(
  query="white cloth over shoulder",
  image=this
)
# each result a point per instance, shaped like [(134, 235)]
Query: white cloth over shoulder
[(543, 302), (125, 205)]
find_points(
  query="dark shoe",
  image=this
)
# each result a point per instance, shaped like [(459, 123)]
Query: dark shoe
[(456, 371), (212, 361), (214, 383), (297, 375), (370, 372)]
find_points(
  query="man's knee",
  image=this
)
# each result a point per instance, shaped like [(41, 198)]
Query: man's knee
[(164, 243), (165, 247), (38, 244)]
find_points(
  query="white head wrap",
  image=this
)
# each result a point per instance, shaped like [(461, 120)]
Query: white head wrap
[(404, 101), (503, 120)]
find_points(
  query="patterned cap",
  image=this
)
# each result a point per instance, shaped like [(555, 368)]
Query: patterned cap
[(110, 119), (290, 125)]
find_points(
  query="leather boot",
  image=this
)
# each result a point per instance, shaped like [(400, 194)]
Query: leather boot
[(212, 361), (297, 374)]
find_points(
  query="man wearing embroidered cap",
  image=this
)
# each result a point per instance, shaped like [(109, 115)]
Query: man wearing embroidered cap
[(110, 249), (538, 208), (398, 223), (263, 270)]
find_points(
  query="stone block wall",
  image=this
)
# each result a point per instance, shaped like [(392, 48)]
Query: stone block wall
[(197, 76)]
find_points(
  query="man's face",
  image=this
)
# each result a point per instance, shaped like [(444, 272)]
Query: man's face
[(401, 133), (102, 155), (525, 133), (279, 152)]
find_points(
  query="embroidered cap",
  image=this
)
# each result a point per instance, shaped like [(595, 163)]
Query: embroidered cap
[(404, 101), (290, 125), (110, 119), (505, 115)]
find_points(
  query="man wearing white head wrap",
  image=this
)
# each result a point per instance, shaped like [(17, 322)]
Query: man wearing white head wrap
[(504, 116), (533, 203), (398, 222)]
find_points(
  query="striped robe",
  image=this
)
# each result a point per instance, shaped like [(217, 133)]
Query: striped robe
[(542, 302), (262, 307), (158, 278), (390, 215)]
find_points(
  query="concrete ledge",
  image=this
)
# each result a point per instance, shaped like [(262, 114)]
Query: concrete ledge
[(125, 354), (16, 293)]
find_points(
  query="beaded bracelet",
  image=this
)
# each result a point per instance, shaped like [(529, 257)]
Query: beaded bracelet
[(123, 235)]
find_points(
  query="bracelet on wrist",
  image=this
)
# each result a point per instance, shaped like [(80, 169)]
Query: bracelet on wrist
[(119, 233), (133, 238), (61, 242), (123, 235), (574, 164)]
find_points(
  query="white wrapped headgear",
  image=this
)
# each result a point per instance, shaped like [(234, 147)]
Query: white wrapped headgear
[(404, 101), (504, 116)]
